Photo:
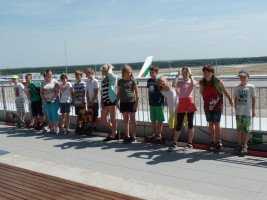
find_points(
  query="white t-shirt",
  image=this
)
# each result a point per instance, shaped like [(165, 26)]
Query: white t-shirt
[(18, 89), (65, 92), (91, 85), (49, 89), (172, 99), (244, 96)]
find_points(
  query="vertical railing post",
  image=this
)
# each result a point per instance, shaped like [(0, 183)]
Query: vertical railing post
[(4, 97)]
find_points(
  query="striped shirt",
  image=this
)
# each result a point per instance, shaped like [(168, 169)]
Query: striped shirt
[(105, 98), (78, 90)]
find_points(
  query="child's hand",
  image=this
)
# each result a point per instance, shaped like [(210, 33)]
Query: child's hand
[(231, 102), (253, 113), (135, 107)]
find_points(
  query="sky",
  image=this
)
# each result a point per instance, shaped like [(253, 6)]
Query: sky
[(34, 33)]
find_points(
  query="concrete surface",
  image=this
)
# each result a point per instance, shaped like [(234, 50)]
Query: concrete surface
[(143, 170)]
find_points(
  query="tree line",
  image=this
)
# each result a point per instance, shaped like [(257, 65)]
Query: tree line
[(138, 65)]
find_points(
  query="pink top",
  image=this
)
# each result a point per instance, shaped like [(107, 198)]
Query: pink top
[(186, 89)]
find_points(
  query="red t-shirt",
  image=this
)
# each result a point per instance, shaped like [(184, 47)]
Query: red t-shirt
[(212, 98)]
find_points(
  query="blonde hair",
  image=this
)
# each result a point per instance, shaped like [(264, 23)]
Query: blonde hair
[(79, 72), (160, 80), (127, 68), (104, 67), (90, 70)]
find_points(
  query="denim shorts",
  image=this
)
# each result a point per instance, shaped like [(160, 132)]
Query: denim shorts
[(213, 116), (65, 107)]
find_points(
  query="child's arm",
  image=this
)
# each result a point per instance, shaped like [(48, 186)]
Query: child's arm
[(253, 106), (137, 97), (42, 95), (95, 96), (83, 98), (118, 97), (235, 100), (221, 85), (56, 93), (175, 82), (193, 81), (87, 97), (73, 97)]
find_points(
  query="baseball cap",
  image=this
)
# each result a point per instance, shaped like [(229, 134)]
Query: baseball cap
[(243, 72), (15, 76)]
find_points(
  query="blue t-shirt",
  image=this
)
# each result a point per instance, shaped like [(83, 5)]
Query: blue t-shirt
[(155, 97)]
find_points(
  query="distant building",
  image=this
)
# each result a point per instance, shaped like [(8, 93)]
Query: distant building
[(35, 76)]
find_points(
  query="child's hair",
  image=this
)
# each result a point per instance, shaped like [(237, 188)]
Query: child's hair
[(155, 68), (104, 67), (208, 68), (160, 80), (90, 70), (28, 75), (63, 76), (127, 68), (49, 70), (79, 72), (185, 68)]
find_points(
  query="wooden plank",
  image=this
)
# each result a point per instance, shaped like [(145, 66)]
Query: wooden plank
[(51, 187), (5, 195), (55, 186), (19, 193), (43, 186)]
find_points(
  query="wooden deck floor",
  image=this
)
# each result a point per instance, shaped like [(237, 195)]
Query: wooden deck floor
[(18, 183)]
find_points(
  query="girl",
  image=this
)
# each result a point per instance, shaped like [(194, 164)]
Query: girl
[(128, 95), (210, 89), (171, 94), (49, 94), (108, 99), (186, 105), (66, 92)]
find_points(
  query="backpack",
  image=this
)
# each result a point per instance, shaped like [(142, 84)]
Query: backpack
[(36, 90), (216, 84)]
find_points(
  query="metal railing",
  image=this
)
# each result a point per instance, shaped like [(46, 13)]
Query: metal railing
[(7, 103)]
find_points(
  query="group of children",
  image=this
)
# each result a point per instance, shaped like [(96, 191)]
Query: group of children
[(124, 95)]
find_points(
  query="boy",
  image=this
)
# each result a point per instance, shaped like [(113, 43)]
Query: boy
[(244, 101), (92, 89), (211, 89), (156, 103), (78, 99), (36, 101), (19, 99)]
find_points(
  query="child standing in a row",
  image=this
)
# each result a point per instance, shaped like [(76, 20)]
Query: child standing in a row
[(211, 89), (156, 103), (128, 95)]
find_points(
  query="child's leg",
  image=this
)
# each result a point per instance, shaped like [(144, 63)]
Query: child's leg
[(190, 117), (240, 137), (246, 139), (159, 127), (112, 111), (212, 130), (104, 114), (126, 123), (133, 124), (217, 130), (180, 118), (153, 129), (67, 117), (63, 119)]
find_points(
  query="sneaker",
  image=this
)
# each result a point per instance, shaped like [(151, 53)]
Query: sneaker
[(45, 129), (109, 138), (61, 132), (188, 147), (212, 146), (219, 146), (158, 137), (172, 147), (31, 125), (133, 139), (56, 131), (238, 150), (244, 151), (51, 131), (37, 126), (18, 124), (68, 132), (127, 140)]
